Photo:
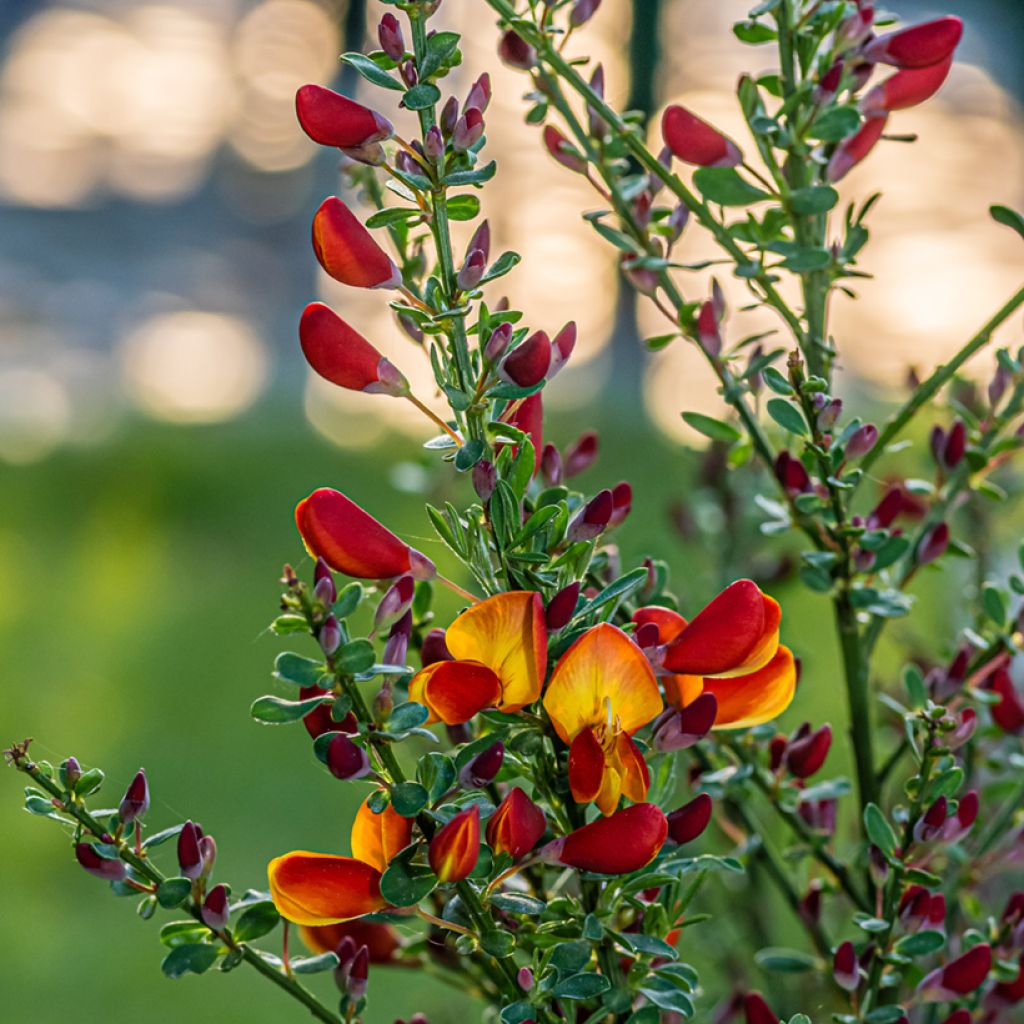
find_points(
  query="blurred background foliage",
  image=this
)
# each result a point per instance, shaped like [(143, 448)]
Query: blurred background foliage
[(157, 424)]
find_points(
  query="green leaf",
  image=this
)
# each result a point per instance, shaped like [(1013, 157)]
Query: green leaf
[(407, 716), (471, 176), (192, 958), (787, 415), (470, 454), (256, 921), (581, 986), (878, 829), (501, 266), (804, 261), (836, 124), (920, 943), (617, 591), (647, 945), (315, 964), (278, 711), (463, 207), (813, 199), (571, 957), (753, 32), (408, 798), (518, 903), (885, 1015), (392, 215), (784, 961), (441, 47), (717, 430), (404, 886), (371, 72), (182, 933), (421, 96), (776, 381), (294, 668), (1011, 218), (436, 773), (158, 838), (664, 994), (724, 186), (172, 892), (354, 657), (89, 782), (498, 942)]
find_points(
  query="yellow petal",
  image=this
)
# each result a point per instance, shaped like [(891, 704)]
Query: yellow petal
[(376, 838), (507, 634), (603, 670), (745, 701)]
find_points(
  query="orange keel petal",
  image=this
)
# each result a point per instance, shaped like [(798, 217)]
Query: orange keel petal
[(320, 888), (454, 691), (749, 700)]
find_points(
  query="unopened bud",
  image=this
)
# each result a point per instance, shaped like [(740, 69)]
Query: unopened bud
[(483, 768), (468, 131), (347, 760), (396, 649), (109, 869), (580, 455), (330, 635), (551, 465), (434, 648), (485, 479), (408, 72), (562, 607), (433, 143), (395, 602), (471, 271), (481, 240), (591, 521), (135, 801), (596, 123), (190, 854), (497, 343), (862, 441), (845, 967), (956, 444), (806, 755), (208, 849), (525, 978), (829, 414), (71, 771), (449, 116), (563, 151), (215, 908), (708, 334), (479, 93), (562, 346), (934, 543), (516, 51), (688, 822), (389, 34), (528, 363)]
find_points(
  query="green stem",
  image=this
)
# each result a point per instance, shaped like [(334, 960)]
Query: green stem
[(858, 696)]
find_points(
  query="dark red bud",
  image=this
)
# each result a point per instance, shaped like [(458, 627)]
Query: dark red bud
[(434, 648), (805, 757), (688, 822), (580, 455), (449, 116), (468, 131), (551, 465), (109, 869), (484, 767), (845, 968), (934, 543), (190, 854), (389, 34), (563, 151), (345, 759), (562, 606), (330, 635), (485, 479), (527, 364), (956, 444), (790, 472), (516, 52), (479, 93), (215, 908), (757, 1011), (135, 801), (862, 441), (593, 518)]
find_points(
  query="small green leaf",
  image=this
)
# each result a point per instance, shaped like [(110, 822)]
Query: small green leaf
[(471, 176), (278, 711), (294, 668), (463, 207), (753, 33), (1011, 218), (813, 199), (407, 716), (256, 921), (193, 958), (920, 943), (878, 829), (182, 933), (354, 657), (501, 266), (470, 454), (441, 49), (787, 415), (723, 185), (836, 124), (172, 892), (717, 430), (436, 773), (581, 986), (315, 964), (421, 96), (776, 381), (518, 903), (784, 961), (408, 798), (404, 886), (371, 72)]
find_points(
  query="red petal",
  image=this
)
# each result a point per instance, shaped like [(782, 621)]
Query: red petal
[(694, 141), (455, 691), (331, 119), (337, 351), (347, 251), (623, 842), (968, 972), (528, 363), (851, 151), (687, 822), (918, 46), (670, 623), (516, 826), (906, 88), (586, 767), (349, 539), (455, 849)]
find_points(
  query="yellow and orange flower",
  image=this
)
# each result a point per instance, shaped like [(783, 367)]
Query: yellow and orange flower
[(731, 650), (602, 691), (500, 652), (318, 889)]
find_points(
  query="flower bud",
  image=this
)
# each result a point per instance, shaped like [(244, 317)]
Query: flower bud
[(805, 756), (810, 904), (468, 131), (582, 11), (479, 93), (956, 445), (688, 822), (694, 141), (561, 348), (334, 120), (449, 116), (407, 70), (471, 271), (708, 334), (215, 908), (829, 414), (372, 154), (845, 968), (71, 772), (528, 363), (433, 143), (998, 385), (325, 590), (581, 454), (524, 978), (819, 814), (455, 848), (396, 649), (135, 801), (776, 752), (563, 151), (497, 343), (677, 221), (551, 465), (208, 849), (481, 240), (595, 122), (958, 978), (330, 635), (516, 825), (852, 150), (562, 607), (1008, 714), (933, 545), (389, 35), (395, 602), (643, 279), (347, 760), (190, 853), (679, 729), (917, 46), (966, 723), (929, 825), (619, 844), (790, 472), (357, 974), (592, 520), (434, 648), (109, 869), (481, 771), (516, 51), (958, 825), (862, 441), (485, 479), (347, 251), (757, 1011), (828, 84), (622, 502)]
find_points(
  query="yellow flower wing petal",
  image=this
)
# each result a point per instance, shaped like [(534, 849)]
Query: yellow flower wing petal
[(376, 838), (760, 696)]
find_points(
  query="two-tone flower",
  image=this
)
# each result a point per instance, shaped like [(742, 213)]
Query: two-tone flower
[(623, 842)]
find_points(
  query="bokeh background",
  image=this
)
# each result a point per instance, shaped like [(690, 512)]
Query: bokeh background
[(157, 422)]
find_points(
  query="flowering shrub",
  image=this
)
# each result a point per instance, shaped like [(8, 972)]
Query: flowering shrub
[(531, 826)]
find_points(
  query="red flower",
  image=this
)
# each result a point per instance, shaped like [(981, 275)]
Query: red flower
[(455, 849), (851, 151), (918, 46), (340, 354), (561, 149), (516, 826), (347, 251), (694, 141), (528, 363), (334, 120), (905, 89), (381, 940), (688, 822), (807, 750), (528, 415), (958, 978), (1008, 714), (757, 1011), (351, 541), (623, 842)]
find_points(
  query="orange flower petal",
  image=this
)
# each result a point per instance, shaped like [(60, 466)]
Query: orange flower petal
[(455, 849), (586, 767), (516, 825), (380, 939), (320, 888), (602, 665), (454, 691), (749, 700), (607, 799), (507, 634), (736, 633), (682, 690), (376, 838), (348, 252), (636, 779)]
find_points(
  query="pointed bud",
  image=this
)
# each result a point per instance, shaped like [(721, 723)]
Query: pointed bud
[(389, 34), (956, 445), (582, 11), (918, 46), (852, 150), (810, 905), (644, 279), (679, 729), (468, 131), (966, 723), (215, 908), (334, 120), (595, 123), (347, 251), (998, 385), (71, 772), (592, 520), (828, 84), (109, 869), (455, 848), (135, 801), (433, 143), (708, 334), (688, 822), (845, 968), (353, 977), (622, 502), (524, 978), (516, 826), (829, 414), (485, 479), (347, 760), (528, 363), (863, 440), (471, 271), (407, 70), (563, 151), (805, 756), (757, 1011), (790, 472), (396, 649), (190, 854), (551, 465), (324, 589), (958, 978), (1008, 713), (905, 89), (449, 116), (208, 849), (479, 93), (434, 649), (561, 348), (929, 825), (933, 545), (619, 844), (483, 769), (677, 221), (694, 141), (497, 343), (481, 240), (958, 825), (562, 607), (581, 454), (395, 602), (516, 52), (330, 635)]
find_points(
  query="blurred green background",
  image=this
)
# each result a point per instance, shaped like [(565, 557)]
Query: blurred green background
[(156, 428)]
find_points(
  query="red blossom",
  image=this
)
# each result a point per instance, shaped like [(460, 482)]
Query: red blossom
[(694, 141), (334, 120), (347, 251)]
